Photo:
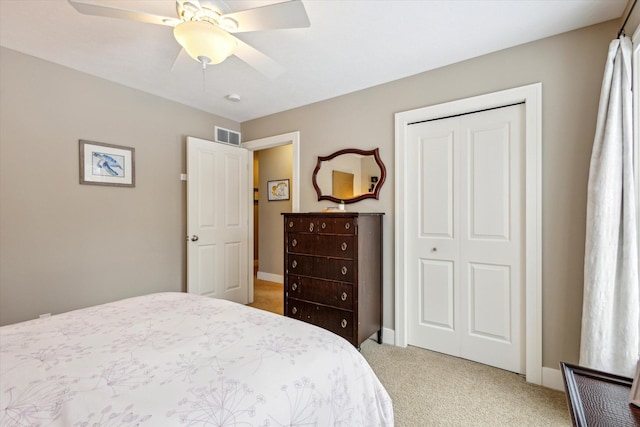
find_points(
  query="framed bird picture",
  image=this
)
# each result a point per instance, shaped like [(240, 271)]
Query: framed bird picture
[(107, 164)]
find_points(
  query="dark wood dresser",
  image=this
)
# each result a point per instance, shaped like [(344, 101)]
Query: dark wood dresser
[(333, 272)]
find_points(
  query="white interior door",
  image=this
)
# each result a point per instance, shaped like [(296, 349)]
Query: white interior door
[(465, 236), (218, 201)]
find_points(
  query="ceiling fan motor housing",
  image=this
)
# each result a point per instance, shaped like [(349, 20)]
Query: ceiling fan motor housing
[(204, 41)]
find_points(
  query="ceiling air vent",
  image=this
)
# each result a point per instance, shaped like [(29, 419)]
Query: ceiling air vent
[(227, 136)]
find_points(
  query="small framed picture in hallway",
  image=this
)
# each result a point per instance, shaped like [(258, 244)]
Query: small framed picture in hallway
[(278, 189)]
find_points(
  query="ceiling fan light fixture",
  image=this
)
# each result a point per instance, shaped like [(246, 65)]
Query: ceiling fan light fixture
[(204, 42)]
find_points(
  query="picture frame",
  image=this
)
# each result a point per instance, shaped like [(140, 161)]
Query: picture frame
[(634, 395), (278, 189), (106, 164)]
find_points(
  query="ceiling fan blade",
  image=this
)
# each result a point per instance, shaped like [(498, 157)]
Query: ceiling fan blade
[(88, 7), (288, 14), (258, 60)]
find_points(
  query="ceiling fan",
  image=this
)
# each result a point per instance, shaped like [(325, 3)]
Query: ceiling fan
[(204, 30)]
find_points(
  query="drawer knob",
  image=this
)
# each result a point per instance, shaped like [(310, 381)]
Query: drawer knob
[(347, 226), (290, 224), (311, 227), (343, 323), (294, 286), (343, 297), (344, 271), (294, 264), (324, 225), (343, 246), (294, 310), (294, 243)]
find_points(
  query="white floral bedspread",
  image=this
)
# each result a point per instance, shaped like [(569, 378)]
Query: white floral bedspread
[(174, 359)]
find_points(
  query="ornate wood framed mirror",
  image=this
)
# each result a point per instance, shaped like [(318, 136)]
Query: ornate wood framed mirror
[(349, 175)]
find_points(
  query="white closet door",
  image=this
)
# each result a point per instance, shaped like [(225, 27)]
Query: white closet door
[(465, 236)]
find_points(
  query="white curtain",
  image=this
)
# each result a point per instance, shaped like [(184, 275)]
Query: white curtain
[(611, 305)]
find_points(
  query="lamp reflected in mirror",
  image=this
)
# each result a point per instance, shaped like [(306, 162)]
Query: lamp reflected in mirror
[(349, 175)]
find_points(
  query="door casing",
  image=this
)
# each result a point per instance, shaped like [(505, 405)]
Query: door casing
[(262, 144), (531, 95)]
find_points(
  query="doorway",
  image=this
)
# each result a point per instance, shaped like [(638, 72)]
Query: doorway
[(273, 273), (531, 96)]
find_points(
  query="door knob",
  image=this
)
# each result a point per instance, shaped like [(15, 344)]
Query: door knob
[(194, 238)]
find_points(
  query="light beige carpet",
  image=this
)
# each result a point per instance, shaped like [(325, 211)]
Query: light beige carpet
[(433, 389)]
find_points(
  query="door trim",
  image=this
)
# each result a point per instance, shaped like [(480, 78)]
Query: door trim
[(262, 144), (531, 95)]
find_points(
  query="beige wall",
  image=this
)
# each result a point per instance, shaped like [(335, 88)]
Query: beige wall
[(64, 245), (275, 164), (570, 67)]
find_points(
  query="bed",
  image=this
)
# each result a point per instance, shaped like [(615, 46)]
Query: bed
[(172, 359)]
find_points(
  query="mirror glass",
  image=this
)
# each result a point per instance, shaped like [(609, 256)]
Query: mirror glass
[(349, 175)]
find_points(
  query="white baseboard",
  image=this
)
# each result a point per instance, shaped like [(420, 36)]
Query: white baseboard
[(388, 336), (269, 277), (552, 378)]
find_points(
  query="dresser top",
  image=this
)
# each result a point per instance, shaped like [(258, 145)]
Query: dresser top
[(332, 213)]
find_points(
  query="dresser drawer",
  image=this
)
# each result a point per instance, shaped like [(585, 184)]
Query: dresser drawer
[(322, 225), (300, 225), (333, 225), (320, 244), (320, 267), (337, 321), (335, 294)]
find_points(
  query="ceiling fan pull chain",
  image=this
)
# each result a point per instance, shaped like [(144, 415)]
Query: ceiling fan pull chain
[(204, 80), (204, 61)]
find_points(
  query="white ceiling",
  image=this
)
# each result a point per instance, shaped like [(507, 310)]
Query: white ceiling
[(351, 45)]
